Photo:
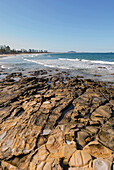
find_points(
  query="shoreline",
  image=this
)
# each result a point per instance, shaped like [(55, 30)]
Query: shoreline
[(98, 74), (6, 55), (4, 72)]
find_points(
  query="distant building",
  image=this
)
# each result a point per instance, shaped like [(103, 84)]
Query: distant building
[(45, 51), (33, 51), (23, 50)]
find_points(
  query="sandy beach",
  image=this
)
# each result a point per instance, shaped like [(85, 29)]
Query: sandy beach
[(62, 121), (6, 55)]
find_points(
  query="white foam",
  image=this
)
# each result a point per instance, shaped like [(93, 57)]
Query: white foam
[(102, 62), (78, 64), (83, 60), (32, 55), (69, 59), (2, 66), (98, 61)]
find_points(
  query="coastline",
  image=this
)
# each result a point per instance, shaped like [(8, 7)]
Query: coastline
[(6, 55), (88, 69)]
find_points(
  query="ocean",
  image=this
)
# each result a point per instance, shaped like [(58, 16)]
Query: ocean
[(99, 66)]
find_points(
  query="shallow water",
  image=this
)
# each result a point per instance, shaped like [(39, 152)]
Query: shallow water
[(99, 66)]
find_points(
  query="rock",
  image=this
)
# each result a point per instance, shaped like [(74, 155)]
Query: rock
[(56, 165), (101, 164), (54, 146), (79, 159), (106, 134), (16, 142), (101, 112), (38, 159), (40, 166), (46, 132), (45, 119), (67, 151), (6, 165), (42, 153), (81, 138), (78, 168), (85, 157), (97, 150), (47, 166), (92, 129)]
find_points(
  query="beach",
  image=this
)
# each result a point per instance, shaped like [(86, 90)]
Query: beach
[(51, 120), (8, 55)]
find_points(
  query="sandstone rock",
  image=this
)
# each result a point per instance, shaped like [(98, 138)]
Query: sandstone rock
[(67, 151), (85, 157), (76, 168), (39, 158), (40, 166), (97, 150), (106, 135), (101, 164), (92, 129), (56, 165), (42, 153), (82, 137), (19, 141), (79, 159), (42, 123), (47, 166), (101, 112), (54, 146), (8, 166), (46, 132)]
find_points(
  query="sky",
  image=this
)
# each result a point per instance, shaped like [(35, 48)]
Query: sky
[(58, 25)]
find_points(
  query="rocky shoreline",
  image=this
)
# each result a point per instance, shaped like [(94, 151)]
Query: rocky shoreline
[(55, 122)]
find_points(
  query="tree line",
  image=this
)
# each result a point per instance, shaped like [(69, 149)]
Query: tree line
[(5, 49)]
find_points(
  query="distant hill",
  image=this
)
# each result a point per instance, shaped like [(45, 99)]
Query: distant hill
[(72, 52)]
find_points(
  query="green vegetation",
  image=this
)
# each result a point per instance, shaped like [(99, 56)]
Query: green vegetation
[(7, 50)]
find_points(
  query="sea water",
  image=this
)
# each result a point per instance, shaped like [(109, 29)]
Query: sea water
[(85, 64)]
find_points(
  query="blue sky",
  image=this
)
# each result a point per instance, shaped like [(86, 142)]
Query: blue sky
[(58, 25)]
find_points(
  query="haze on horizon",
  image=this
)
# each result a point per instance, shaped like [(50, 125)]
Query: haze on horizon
[(54, 25)]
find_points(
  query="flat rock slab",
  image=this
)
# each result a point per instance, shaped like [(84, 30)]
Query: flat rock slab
[(53, 122)]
